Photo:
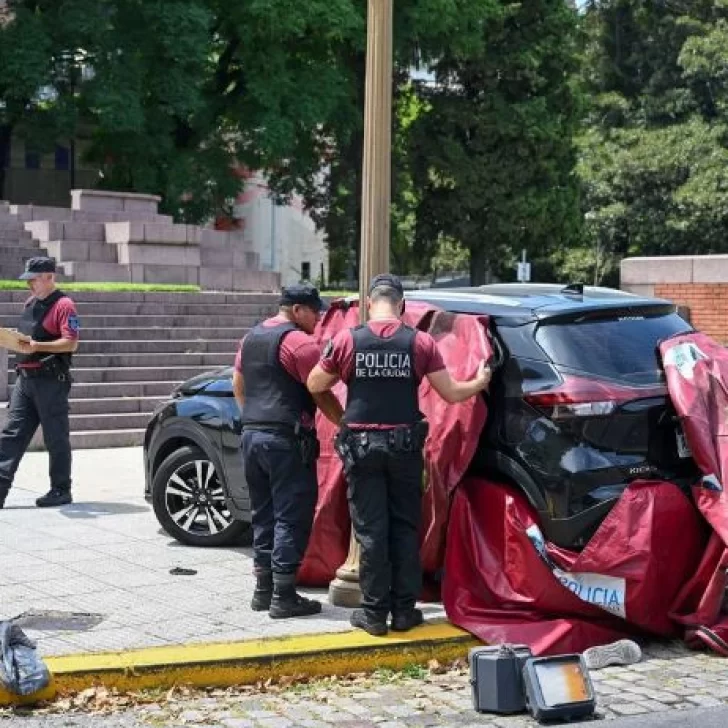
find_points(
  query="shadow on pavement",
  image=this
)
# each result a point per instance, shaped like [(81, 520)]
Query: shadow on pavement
[(99, 509)]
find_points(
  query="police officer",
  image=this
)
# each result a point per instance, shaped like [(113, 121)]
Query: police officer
[(280, 447), (40, 394), (381, 442)]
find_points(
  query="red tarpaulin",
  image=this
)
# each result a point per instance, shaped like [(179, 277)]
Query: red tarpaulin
[(657, 565), (451, 443), (504, 584), (697, 373)]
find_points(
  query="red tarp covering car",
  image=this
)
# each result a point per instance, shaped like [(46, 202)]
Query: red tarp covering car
[(656, 565), (453, 437)]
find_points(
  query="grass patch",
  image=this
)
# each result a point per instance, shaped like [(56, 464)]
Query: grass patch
[(137, 287), (339, 294)]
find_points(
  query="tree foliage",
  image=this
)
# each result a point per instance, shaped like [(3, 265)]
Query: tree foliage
[(653, 154), (494, 155)]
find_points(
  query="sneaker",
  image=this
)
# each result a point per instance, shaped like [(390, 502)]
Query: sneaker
[(404, 621), (54, 498), (375, 626), (624, 652)]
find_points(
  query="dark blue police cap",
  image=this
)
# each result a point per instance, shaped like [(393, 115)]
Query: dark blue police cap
[(387, 280), (37, 266), (303, 294)]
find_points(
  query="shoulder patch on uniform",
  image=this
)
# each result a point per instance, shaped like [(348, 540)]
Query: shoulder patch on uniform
[(73, 322), (328, 349)]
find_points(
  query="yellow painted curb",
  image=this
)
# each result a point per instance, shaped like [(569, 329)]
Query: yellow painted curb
[(240, 663)]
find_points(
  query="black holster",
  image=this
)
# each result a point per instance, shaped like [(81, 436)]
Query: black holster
[(309, 445), (348, 447)]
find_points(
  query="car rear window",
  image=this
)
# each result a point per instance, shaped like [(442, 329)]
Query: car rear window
[(616, 348)]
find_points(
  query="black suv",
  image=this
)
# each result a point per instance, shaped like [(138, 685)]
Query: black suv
[(578, 409)]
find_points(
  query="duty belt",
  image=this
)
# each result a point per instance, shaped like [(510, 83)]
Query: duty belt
[(305, 437), (352, 446), (41, 373)]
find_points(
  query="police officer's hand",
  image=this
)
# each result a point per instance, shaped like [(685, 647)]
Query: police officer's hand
[(484, 374)]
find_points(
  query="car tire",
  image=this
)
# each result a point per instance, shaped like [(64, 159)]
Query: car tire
[(193, 512)]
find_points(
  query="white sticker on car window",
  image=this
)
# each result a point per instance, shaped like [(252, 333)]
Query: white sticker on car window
[(684, 357)]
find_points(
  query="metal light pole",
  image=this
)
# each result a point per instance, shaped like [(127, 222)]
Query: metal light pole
[(376, 196)]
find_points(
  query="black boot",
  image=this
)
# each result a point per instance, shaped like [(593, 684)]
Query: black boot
[(53, 498), (4, 490), (374, 624), (403, 621), (263, 590), (286, 602)]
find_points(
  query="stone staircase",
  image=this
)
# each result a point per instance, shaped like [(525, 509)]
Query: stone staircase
[(136, 347), (120, 237)]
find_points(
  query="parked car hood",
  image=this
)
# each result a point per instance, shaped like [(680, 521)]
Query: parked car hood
[(217, 383)]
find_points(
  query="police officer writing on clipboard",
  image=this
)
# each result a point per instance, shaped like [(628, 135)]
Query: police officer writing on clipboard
[(40, 394), (381, 442), (280, 447)]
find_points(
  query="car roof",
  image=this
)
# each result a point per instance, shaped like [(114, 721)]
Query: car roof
[(531, 301)]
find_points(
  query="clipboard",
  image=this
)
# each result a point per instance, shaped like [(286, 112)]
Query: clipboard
[(10, 339)]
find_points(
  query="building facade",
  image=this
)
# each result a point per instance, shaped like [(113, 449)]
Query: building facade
[(284, 236)]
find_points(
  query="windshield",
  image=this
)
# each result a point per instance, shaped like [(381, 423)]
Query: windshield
[(622, 348)]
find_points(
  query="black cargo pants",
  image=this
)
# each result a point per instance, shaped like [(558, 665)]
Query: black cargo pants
[(38, 400), (385, 503), (283, 493)]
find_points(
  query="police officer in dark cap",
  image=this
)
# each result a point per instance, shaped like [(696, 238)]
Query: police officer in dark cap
[(280, 447), (40, 394), (381, 443)]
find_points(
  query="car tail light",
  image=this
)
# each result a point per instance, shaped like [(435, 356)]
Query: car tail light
[(582, 397)]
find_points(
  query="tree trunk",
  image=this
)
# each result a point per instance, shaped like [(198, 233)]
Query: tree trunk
[(6, 132), (478, 264)]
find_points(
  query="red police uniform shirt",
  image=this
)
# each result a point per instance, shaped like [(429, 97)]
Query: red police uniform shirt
[(299, 353), (60, 321), (338, 356)]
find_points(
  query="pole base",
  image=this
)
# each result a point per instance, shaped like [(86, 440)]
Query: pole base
[(344, 593)]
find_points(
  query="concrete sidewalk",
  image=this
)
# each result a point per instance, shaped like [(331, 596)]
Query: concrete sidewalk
[(106, 555)]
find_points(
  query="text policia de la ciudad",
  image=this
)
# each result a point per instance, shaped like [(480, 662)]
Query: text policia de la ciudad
[(389, 364)]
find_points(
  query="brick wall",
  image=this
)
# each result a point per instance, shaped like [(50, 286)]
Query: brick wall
[(708, 304)]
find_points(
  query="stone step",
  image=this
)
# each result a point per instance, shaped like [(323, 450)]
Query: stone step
[(29, 213), (88, 231), (171, 334), (10, 254), (130, 346), (109, 421), (268, 299), (147, 321), (37, 213), (93, 272), (131, 216), (113, 390), (96, 439), (8, 234), (79, 250), (151, 309), (10, 225), (105, 405), (125, 360), (133, 374)]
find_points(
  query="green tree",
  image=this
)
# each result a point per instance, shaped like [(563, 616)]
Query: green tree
[(494, 155), (181, 91), (654, 155)]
